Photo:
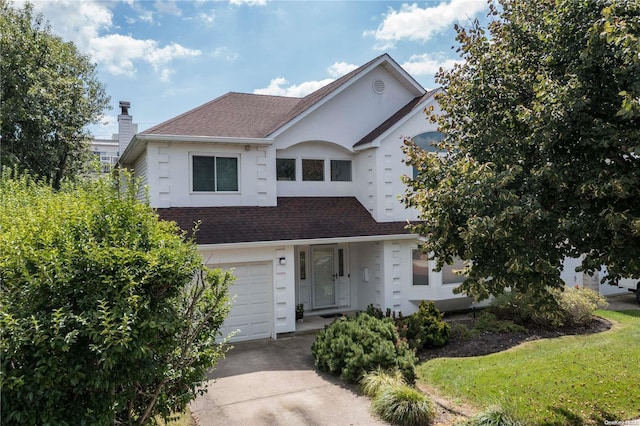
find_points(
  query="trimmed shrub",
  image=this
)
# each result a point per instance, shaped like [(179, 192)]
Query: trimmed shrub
[(487, 322), (578, 304), (459, 331), (404, 405), (570, 306), (527, 309), (494, 416), (375, 381), (425, 328), (353, 346)]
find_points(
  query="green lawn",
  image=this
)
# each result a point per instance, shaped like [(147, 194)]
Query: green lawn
[(572, 380)]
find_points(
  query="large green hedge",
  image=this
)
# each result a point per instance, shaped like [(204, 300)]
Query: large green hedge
[(107, 314)]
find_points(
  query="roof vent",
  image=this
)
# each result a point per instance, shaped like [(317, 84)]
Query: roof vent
[(378, 86)]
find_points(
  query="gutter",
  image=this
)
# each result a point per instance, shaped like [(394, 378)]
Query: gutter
[(280, 243)]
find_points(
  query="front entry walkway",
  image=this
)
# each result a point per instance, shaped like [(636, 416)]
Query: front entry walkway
[(274, 382)]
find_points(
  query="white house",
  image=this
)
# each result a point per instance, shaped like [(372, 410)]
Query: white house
[(300, 196)]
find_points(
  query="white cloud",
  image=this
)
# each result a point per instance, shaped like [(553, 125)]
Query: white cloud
[(427, 64), (84, 22), (297, 91), (207, 17), (168, 7), (338, 69), (277, 86), (416, 24), (74, 21), (225, 53), (248, 2), (106, 128), (118, 52)]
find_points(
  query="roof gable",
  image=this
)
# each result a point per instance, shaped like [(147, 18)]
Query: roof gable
[(244, 115), (324, 94), (397, 118)]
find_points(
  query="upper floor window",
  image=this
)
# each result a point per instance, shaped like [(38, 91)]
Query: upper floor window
[(427, 141), (449, 272), (214, 173), (341, 170), (420, 268), (312, 170), (286, 168)]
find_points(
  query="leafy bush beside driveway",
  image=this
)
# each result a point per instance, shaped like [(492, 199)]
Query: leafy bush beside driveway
[(108, 315)]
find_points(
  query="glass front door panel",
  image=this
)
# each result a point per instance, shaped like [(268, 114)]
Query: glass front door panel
[(324, 277)]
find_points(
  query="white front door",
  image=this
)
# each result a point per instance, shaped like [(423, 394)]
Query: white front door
[(330, 276)]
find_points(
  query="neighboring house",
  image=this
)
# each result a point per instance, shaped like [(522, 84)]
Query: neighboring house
[(107, 151), (300, 196)]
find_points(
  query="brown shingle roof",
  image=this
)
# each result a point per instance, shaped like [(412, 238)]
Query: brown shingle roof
[(240, 115), (294, 218), (245, 115)]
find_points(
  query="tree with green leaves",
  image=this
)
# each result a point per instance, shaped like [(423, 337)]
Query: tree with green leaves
[(541, 152), (107, 313), (49, 94)]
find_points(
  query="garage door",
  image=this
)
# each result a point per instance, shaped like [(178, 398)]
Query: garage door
[(251, 310)]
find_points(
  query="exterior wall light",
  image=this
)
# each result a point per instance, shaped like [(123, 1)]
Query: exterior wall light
[(282, 261)]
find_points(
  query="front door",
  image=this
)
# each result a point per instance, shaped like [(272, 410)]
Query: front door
[(329, 276)]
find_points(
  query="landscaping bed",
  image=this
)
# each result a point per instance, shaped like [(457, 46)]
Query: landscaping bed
[(491, 342)]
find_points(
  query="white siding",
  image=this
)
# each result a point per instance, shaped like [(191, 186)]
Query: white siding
[(140, 173)]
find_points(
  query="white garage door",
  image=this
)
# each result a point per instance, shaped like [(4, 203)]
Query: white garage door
[(251, 306)]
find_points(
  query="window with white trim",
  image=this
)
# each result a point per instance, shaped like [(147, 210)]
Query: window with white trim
[(427, 141), (450, 272), (420, 268), (212, 173), (341, 170), (312, 170), (286, 168)]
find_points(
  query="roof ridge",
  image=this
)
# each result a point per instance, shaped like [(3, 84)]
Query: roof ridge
[(263, 95)]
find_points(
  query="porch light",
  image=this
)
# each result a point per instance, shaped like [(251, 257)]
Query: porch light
[(282, 261)]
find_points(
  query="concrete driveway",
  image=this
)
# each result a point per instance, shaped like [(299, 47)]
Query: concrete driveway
[(274, 382), (623, 302)]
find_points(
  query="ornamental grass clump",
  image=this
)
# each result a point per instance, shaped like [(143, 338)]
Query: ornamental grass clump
[(375, 381), (496, 415), (401, 404)]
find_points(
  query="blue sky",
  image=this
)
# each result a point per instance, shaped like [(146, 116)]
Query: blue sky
[(167, 57)]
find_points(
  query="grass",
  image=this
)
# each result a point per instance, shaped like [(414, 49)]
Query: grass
[(572, 380), (183, 419)]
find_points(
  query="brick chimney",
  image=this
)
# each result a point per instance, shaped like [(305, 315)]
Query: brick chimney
[(126, 127)]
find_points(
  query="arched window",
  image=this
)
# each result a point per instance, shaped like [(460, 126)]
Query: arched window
[(427, 141)]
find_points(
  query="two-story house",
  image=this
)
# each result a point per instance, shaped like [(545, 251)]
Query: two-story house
[(300, 197)]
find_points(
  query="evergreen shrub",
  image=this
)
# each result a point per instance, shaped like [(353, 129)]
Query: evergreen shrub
[(354, 345), (425, 328)]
